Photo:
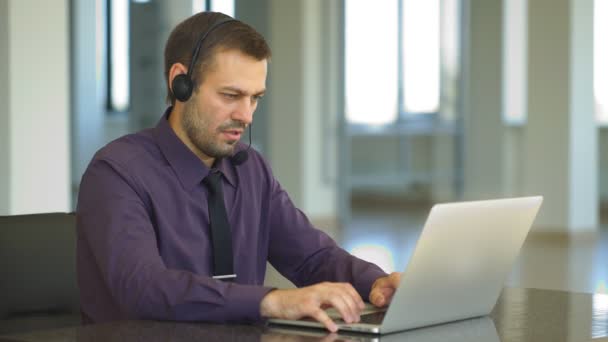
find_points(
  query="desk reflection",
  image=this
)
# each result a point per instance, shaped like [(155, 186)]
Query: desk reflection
[(472, 330)]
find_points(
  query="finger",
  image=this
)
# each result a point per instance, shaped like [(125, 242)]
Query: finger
[(381, 296), (387, 295), (376, 297), (383, 289), (388, 299), (352, 307), (338, 301), (330, 337), (395, 279), (384, 282), (338, 297), (356, 297), (392, 280), (381, 282), (354, 300), (387, 291), (322, 318)]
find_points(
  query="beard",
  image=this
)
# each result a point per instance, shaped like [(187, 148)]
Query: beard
[(208, 142)]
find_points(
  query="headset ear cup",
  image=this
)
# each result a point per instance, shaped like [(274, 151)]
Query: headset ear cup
[(182, 87)]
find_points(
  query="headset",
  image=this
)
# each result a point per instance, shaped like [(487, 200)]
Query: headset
[(182, 85)]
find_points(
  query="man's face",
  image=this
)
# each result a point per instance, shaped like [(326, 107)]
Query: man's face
[(218, 113)]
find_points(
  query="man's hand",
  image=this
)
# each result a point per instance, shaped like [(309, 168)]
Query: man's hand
[(312, 300), (383, 289)]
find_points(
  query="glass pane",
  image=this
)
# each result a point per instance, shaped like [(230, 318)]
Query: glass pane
[(371, 61), (514, 64), (421, 55), (120, 55), (224, 6), (601, 60)]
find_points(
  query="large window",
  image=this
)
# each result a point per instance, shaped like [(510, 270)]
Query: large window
[(392, 60), (420, 56)]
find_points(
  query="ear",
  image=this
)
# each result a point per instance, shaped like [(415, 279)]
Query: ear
[(176, 69)]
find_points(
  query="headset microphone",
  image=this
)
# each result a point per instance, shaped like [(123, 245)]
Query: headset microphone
[(241, 156)]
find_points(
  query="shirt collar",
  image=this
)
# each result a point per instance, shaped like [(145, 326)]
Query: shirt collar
[(190, 170)]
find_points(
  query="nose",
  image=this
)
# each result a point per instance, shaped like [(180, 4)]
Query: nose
[(244, 111)]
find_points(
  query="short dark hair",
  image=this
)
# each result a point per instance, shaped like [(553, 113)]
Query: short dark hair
[(234, 35)]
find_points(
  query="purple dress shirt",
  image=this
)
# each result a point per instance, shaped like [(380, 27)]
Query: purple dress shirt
[(144, 249)]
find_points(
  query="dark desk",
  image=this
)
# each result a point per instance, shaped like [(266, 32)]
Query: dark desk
[(520, 315)]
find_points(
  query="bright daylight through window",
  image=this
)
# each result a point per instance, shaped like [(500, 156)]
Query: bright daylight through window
[(374, 52)]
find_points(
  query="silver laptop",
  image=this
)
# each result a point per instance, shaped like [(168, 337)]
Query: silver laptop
[(462, 259)]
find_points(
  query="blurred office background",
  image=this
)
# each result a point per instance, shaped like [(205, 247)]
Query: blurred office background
[(375, 110)]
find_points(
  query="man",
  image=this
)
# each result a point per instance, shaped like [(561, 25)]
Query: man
[(147, 215)]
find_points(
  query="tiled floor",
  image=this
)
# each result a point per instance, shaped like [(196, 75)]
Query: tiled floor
[(562, 263), (548, 261)]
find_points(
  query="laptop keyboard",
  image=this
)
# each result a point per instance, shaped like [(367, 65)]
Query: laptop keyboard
[(374, 317), (370, 318)]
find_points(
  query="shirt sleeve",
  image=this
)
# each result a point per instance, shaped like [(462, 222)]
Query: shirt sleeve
[(114, 226), (306, 255)]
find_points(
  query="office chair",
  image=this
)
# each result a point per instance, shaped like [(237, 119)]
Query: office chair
[(38, 288)]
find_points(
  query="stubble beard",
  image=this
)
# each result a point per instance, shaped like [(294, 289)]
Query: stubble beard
[(206, 142)]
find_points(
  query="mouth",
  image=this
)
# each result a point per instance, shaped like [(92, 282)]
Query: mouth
[(233, 134)]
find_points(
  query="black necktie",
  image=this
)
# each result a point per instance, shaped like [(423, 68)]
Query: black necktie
[(221, 236)]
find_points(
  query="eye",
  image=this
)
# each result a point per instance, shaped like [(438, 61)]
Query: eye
[(230, 96), (256, 98)]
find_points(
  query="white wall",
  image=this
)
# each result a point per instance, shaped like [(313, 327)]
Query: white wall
[(38, 106)]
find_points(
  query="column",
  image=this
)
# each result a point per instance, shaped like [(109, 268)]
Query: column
[(299, 105), (560, 158), (482, 102)]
